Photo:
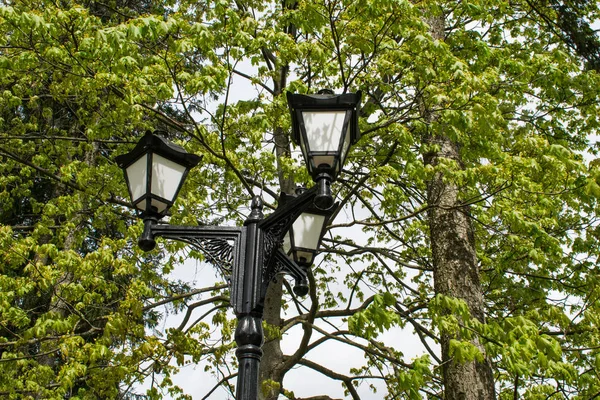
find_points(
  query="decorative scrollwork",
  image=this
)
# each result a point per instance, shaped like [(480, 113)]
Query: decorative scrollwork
[(270, 267), (275, 228), (274, 235), (218, 252), (276, 268)]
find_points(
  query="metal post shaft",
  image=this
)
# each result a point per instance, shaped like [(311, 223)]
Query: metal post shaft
[(251, 255), (249, 334)]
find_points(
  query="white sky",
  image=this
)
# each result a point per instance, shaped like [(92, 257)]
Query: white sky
[(303, 381)]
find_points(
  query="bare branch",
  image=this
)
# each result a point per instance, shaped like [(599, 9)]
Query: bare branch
[(347, 380), (183, 296)]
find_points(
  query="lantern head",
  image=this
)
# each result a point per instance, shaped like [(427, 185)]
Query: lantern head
[(155, 171), (324, 125), (302, 241)]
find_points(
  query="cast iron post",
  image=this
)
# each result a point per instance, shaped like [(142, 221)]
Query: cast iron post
[(249, 333)]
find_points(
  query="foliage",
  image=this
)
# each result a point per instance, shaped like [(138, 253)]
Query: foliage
[(79, 303)]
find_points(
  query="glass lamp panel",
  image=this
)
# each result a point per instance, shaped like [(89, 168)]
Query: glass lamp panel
[(345, 148), (166, 179), (303, 148), (307, 231), (323, 130), (287, 244), (158, 206), (319, 160), (137, 176), (305, 256)]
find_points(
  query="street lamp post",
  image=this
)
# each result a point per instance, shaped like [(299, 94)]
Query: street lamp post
[(325, 127)]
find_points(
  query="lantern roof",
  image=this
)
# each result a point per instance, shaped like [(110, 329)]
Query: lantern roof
[(154, 172), (160, 145)]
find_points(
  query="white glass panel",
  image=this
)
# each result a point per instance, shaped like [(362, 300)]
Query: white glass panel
[(159, 205), (323, 129), (320, 160), (287, 244), (166, 178), (307, 230), (137, 176), (345, 148), (141, 205), (303, 148)]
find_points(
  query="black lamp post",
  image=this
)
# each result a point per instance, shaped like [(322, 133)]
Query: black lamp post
[(252, 254)]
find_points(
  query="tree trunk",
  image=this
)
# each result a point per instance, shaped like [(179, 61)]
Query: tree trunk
[(271, 370), (456, 273), (271, 373)]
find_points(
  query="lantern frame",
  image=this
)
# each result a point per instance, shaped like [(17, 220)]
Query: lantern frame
[(315, 114), (301, 253), (149, 158)]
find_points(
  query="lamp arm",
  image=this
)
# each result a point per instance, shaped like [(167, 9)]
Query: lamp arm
[(289, 209), (283, 264), (223, 247), (178, 232)]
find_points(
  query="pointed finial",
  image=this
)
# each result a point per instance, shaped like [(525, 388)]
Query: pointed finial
[(256, 208), (257, 203)]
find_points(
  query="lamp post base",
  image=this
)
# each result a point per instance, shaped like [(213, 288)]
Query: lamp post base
[(249, 338)]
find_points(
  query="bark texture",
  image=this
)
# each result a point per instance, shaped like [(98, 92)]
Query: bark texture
[(272, 363), (456, 273), (270, 373), (272, 369)]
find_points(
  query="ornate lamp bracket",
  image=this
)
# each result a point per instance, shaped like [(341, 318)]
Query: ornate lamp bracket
[(275, 227), (229, 249), (223, 247)]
